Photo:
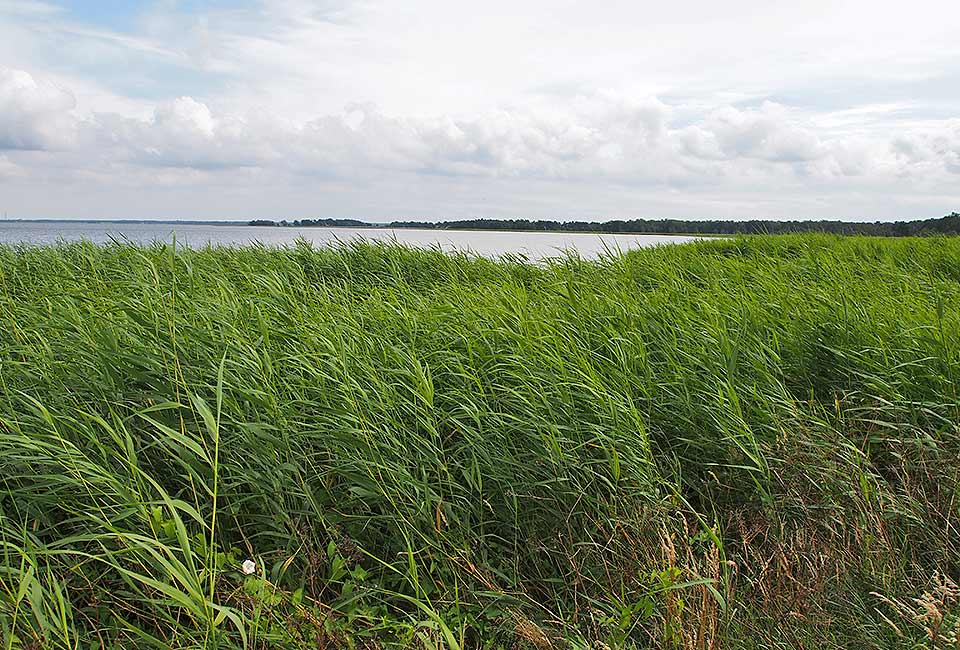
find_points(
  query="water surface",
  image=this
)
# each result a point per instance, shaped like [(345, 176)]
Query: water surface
[(535, 245)]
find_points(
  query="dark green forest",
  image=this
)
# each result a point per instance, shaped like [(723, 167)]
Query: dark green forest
[(948, 225)]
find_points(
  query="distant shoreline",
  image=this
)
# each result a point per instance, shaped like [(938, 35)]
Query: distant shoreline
[(369, 226), (185, 222), (947, 225)]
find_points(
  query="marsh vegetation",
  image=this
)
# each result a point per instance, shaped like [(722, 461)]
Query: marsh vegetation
[(745, 443)]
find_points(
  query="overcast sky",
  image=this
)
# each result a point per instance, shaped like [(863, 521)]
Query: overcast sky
[(238, 109)]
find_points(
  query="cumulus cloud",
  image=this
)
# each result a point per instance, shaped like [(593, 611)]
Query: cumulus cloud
[(605, 135), (940, 147), (183, 133), (185, 116), (601, 137), (592, 139), (768, 134), (745, 109), (34, 114)]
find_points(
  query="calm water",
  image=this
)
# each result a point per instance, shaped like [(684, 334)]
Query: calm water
[(533, 245)]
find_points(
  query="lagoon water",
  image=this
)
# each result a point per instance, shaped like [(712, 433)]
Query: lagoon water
[(534, 245)]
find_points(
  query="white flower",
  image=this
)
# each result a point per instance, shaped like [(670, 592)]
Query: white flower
[(249, 566)]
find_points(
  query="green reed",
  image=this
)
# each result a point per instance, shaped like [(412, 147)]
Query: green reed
[(749, 442)]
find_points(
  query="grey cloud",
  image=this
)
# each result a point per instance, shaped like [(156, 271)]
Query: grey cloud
[(8, 170)]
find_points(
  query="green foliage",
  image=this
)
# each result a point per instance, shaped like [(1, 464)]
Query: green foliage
[(748, 442), (948, 225)]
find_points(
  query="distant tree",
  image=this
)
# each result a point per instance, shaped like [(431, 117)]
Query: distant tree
[(948, 225)]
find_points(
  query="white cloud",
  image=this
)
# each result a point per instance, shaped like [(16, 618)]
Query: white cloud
[(939, 147), (185, 116), (182, 133), (34, 115), (768, 133), (604, 137), (746, 109)]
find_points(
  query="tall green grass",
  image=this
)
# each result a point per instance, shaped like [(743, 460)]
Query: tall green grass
[(746, 443)]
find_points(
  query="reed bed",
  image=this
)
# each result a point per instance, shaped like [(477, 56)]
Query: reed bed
[(743, 443)]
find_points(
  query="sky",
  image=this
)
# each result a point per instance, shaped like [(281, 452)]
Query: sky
[(286, 109)]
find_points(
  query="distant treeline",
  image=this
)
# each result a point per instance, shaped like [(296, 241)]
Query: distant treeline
[(313, 223), (948, 225)]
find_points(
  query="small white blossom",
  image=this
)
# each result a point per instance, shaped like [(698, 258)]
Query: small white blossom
[(249, 566)]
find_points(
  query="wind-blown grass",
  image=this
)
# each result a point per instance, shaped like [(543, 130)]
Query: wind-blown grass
[(739, 443)]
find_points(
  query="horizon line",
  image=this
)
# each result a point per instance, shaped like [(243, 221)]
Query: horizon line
[(249, 222)]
